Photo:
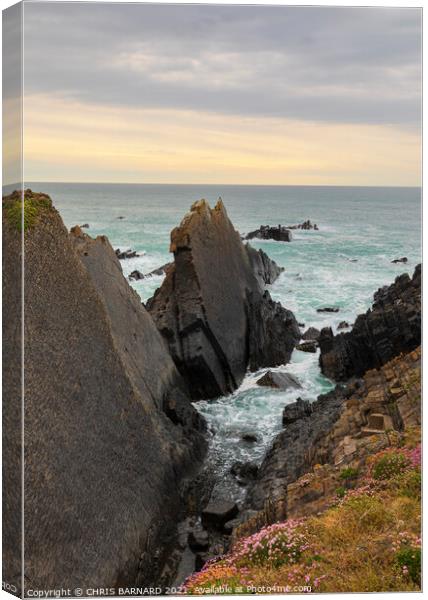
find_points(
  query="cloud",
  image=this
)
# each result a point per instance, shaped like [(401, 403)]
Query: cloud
[(334, 65)]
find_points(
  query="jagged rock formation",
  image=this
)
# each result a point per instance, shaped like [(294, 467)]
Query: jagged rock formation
[(265, 269), (306, 225), (265, 232), (108, 437), (211, 307), (302, 471), (391, 326)]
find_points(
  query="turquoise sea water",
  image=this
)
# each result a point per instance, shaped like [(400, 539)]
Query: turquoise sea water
[(361, 230)]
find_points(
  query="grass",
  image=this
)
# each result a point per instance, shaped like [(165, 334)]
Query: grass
[(33, 206), (369, 541)]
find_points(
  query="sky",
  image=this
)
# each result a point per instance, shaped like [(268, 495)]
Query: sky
[(222, 94)]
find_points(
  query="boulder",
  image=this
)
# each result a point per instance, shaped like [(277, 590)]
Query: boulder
[(104, 463), (265, 232), (403, 259), (136, 275), (218, 512), (312, 333), (390, 327), (296, 410), (309, 346), (212, 309), (281, 381), (250, 437)]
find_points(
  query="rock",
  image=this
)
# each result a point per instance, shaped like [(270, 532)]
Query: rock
[(309, 346), (160, 270), (85, 226), (198, 539), (328, 309), (390, 327), (404, 259), (250, 437), (218, 512), (212, 309), (265, 269), (301, 324), (136, 275), (291, 452), (306, 225), (230, 525), (125, 254), (99, 447), (296, 410), (311, 334), (244, 471), (343, 325), (265, 232), (120, 217), (282, 381)]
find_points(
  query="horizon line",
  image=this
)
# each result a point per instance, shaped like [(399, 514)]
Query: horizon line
[(216, 184)]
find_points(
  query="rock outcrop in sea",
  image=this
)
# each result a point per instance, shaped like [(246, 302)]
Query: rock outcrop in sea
[(212, 308), (391, 326), (110, 434), (266, 232)]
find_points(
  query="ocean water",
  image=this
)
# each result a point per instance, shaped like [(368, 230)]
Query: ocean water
[(361, 230)]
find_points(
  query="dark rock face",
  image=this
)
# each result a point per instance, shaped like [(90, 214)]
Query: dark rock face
[(291, 451), (312, 333), (104, 463), (212, 310), (265, 269), (279, 234), (282, 381), (296, 410), (391, 326)]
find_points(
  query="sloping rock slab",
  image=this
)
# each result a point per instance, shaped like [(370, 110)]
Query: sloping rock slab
[(104, 464)]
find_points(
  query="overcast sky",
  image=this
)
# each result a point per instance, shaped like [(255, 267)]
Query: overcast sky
[(222, 94)]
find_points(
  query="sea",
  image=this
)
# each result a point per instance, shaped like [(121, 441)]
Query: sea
[(361, 231)]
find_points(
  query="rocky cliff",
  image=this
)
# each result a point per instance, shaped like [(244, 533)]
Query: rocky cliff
[(302, 471), (212, 308), (391, 326), (109, 437)]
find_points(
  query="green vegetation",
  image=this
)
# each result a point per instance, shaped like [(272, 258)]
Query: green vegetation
[(348, 473), (34, 205), (368, 541)]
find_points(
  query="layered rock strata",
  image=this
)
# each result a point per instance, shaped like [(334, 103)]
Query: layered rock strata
[(302, 471), (109, 437), (391, 326), (212, 308)]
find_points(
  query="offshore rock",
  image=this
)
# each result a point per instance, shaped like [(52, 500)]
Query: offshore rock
[(104, 463), (212, 309), (281, 381), (308, 346), (390, 327), (265, 232), (312, 333)]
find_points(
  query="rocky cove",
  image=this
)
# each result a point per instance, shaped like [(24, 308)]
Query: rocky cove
[(117, 382)]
